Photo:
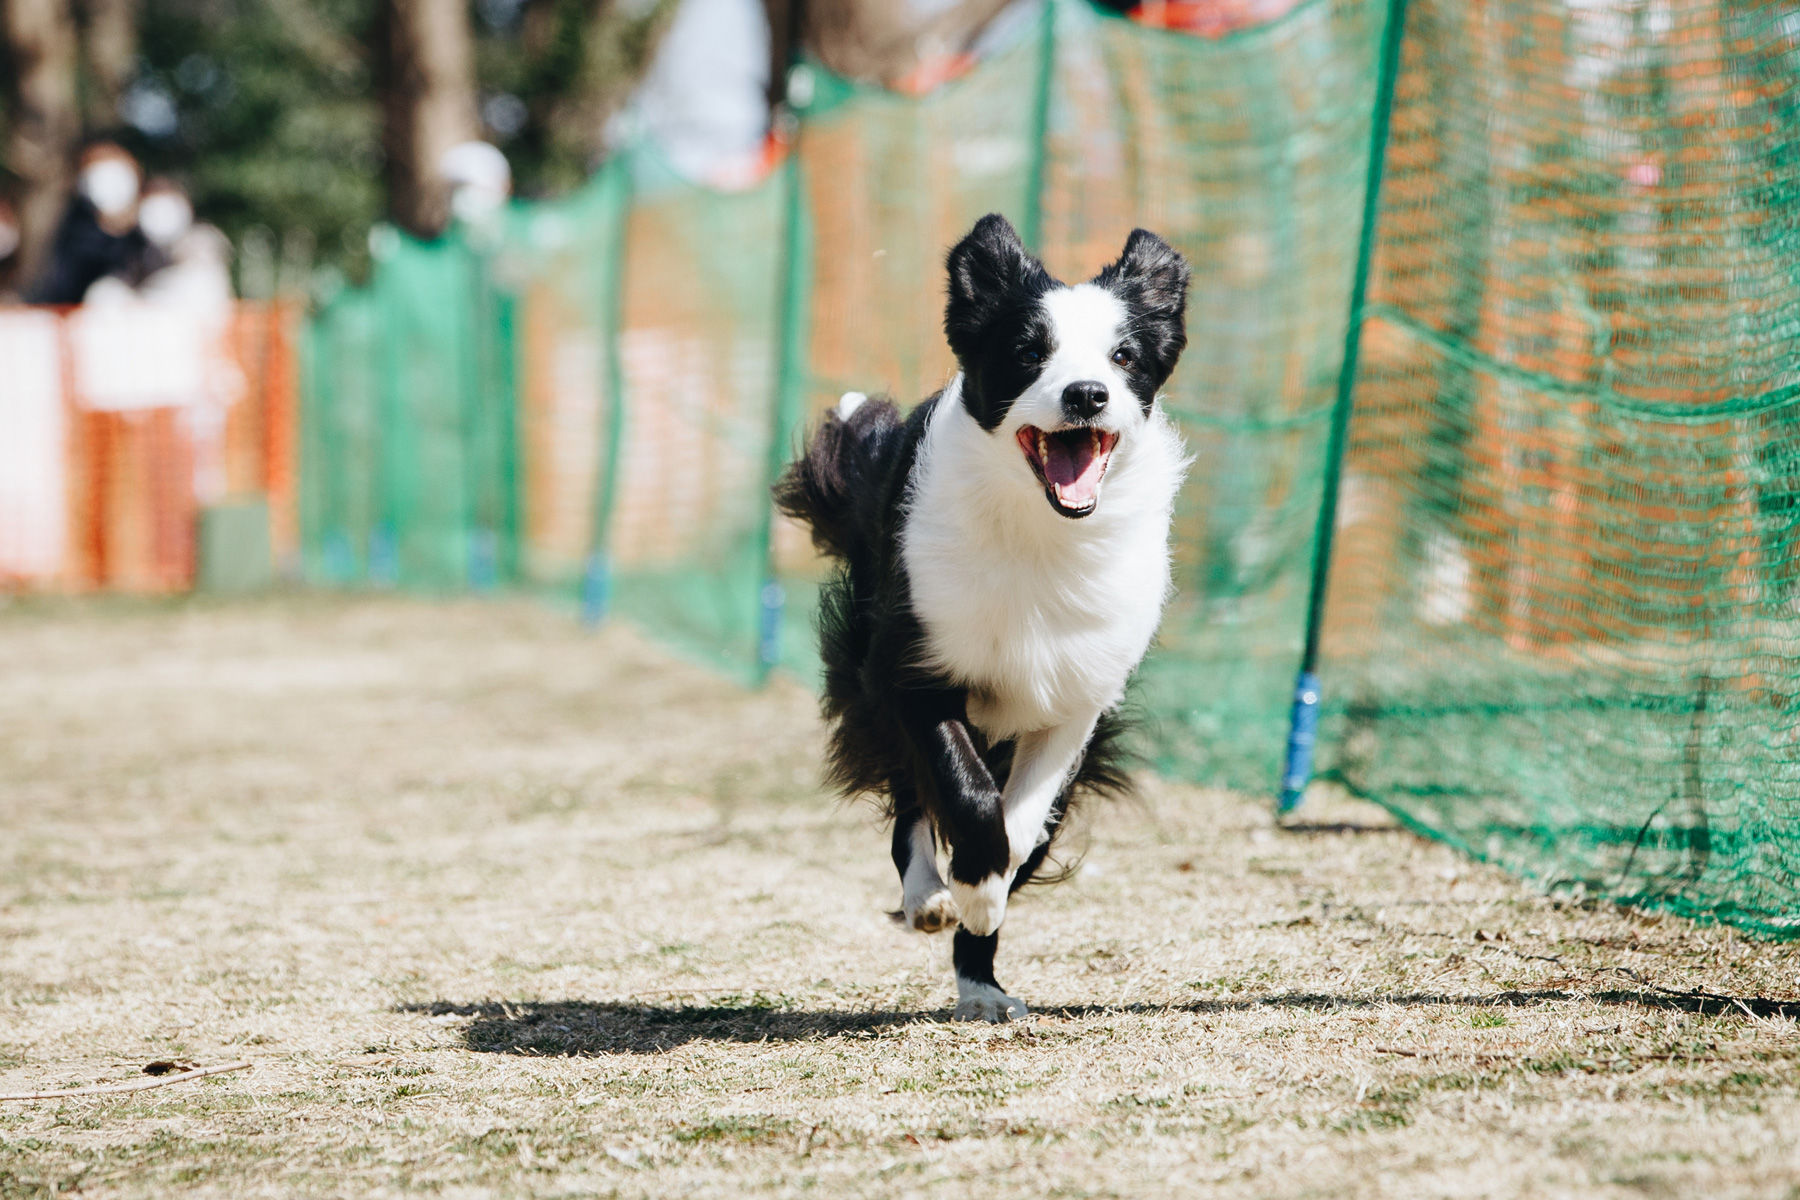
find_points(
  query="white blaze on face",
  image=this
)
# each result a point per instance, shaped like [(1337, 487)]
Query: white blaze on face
[(1086, 323), (1069, 452)]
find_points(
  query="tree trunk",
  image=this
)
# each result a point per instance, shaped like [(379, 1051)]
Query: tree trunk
[(885, 41), (45, 119), (110, 49), (784, 39), (430, 106)]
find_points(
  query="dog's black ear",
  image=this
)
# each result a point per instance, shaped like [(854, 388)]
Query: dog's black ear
[(1151, 278), (1150, 272), (990, 272)]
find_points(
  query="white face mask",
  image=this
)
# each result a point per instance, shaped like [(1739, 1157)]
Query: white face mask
[(164, 217), (111, 185)]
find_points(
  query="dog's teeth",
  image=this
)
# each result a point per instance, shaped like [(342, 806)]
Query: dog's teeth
[(1043, 445)]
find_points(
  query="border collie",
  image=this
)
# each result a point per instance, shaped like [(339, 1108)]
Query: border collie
[(1004, 556)]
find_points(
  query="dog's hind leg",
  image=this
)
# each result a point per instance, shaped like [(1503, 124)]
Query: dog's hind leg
[(925, 902), (979, 996)]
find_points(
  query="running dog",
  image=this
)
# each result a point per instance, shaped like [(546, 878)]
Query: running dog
[(1004, 561)]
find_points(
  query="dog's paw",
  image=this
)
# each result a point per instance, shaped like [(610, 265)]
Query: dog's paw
[(985, 1002), (981, 906), (931, 913)]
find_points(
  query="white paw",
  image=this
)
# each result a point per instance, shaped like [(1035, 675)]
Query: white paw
[(931, 913), (985, 1002), (981, 906)]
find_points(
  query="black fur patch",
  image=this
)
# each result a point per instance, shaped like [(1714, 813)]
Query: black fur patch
[(973, 954), (994, 323), (1151, 278)]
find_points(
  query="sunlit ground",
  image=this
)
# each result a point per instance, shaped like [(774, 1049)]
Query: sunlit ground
[(497, 906)]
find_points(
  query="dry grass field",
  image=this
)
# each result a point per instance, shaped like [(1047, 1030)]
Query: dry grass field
[(500, 907)]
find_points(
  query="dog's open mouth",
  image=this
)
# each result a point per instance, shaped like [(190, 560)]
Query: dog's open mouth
[(1070, 462)]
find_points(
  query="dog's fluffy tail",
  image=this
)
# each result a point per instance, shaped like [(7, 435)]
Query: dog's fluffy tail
[(838, 483)]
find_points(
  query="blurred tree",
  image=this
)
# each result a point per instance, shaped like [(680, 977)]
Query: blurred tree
[(266, 110), (428, 99), (554, 72), (109, 45), (272, 111), (784, 43), (44, 121), (893, 42)]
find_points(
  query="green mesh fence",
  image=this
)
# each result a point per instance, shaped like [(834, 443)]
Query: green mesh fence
[(1562, 620), (700, 351), (561, 262), (408, 439), (1562, 597), (889, 183), (1248, 153)]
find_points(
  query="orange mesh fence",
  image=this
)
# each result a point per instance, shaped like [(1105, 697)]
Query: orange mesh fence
[(114, 446)]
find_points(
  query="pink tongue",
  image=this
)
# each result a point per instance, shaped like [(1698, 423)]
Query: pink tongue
[(1072, 468)]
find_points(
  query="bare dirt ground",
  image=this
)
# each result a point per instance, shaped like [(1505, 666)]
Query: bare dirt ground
[(499, 907)]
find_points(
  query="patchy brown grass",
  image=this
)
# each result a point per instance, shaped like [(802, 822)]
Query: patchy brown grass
[(502, 908)]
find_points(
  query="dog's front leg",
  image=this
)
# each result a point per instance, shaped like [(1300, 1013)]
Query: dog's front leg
[(1042, 764), (1043, 761), (965, 803)]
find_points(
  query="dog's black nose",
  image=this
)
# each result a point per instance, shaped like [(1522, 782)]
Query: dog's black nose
[(1083, 401)]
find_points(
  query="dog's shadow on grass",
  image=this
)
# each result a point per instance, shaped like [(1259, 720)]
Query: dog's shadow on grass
[(584, 1029), (591, 1028)]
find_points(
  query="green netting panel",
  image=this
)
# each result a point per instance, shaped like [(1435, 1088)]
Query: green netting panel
[(340, 432), (1562, 628), (1248, 153), (562, 259), (700, 358), (410, 452), (490, 432), (891, 182), (429, 433)]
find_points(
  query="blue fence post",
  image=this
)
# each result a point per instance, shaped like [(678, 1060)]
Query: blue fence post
[(384, 557), (1303, 729), (771, 600), (596, 588)]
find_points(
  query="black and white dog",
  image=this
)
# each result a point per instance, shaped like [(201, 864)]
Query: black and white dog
[(1005, 560)]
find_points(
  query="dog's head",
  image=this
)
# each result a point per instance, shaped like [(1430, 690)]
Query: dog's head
[(1065, 372)]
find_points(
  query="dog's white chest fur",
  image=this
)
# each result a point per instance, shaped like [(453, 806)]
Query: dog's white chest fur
[(1041, 617)]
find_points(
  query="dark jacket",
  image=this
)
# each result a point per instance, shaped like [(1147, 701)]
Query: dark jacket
[(84, 252)]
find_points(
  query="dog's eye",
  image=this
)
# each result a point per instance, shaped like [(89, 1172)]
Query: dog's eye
[(1031, 356), (1123, 357)]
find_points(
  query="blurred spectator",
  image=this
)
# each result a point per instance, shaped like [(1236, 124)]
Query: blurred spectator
[(99, 235), (1209, 18), (480, 181), (704, 101), (9, 229), (163, 343), (186, 264), (9, 246)]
